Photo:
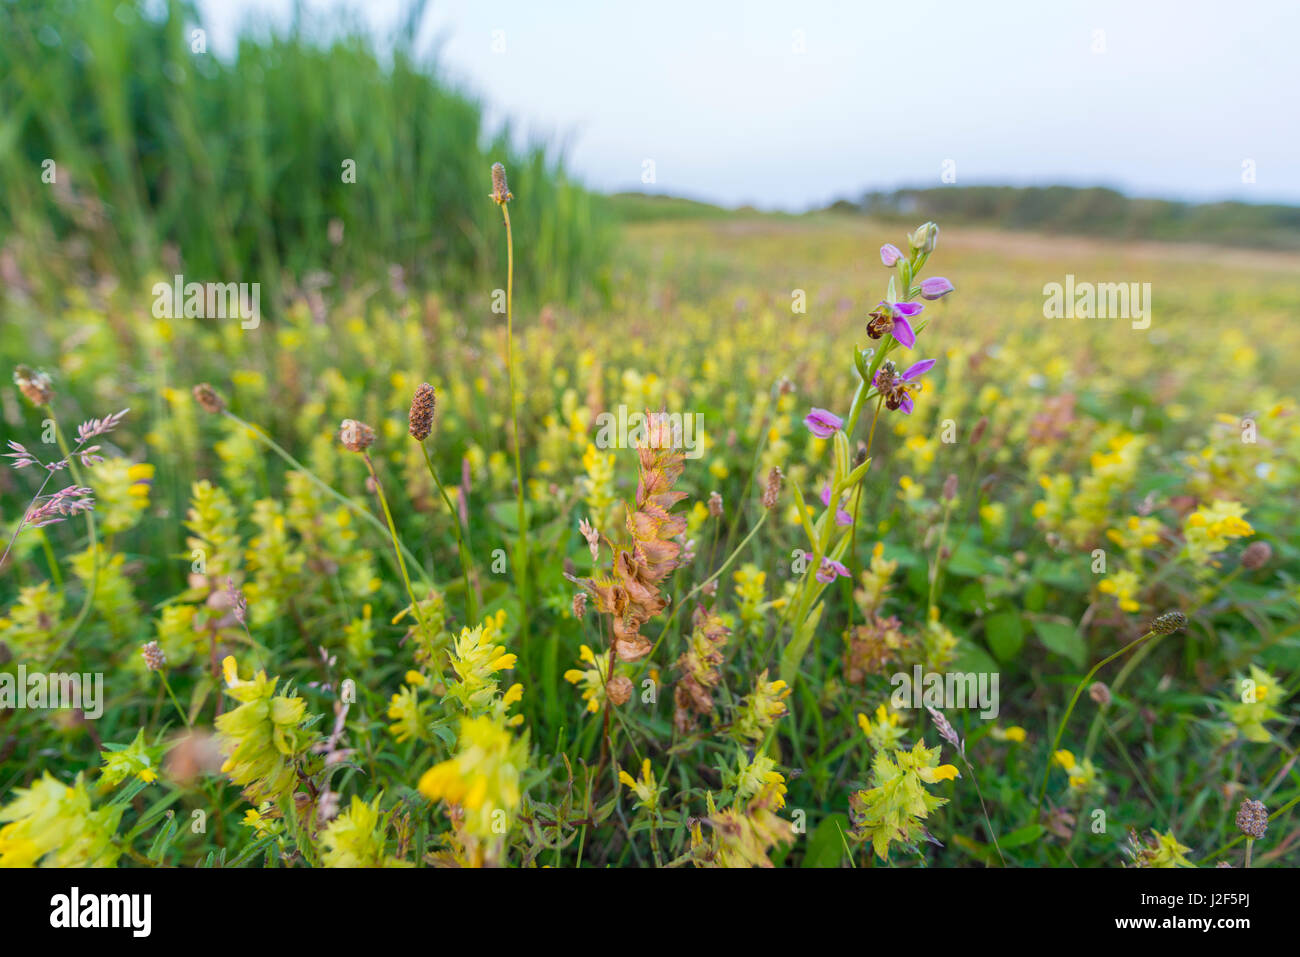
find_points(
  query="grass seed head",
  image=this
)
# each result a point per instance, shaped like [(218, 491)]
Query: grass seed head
[(500, 191), (1168, 623), (1252, 818), (422, 408), (208, 399), (153, 656), (1256, 555), (356, 436), (34, 384), (772, 493)]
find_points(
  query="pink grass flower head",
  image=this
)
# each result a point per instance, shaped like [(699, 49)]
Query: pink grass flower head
[(897, 388), (841, 517), (890, 254), (935, 288), (891, 318), (830, 570), (823, 424)]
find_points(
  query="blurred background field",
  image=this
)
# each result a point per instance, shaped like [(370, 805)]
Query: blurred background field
[(1094, 435)]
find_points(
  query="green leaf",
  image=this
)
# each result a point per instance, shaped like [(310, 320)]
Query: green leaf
[(1005, 634), (971, 657), (506, 514), (794, 652), (967, 561), (1062, 639), (826, 846), (1025, 835)]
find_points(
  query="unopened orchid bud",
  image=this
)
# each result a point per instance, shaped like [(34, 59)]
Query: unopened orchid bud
[(925, 238), (935, 287), (890, 254)]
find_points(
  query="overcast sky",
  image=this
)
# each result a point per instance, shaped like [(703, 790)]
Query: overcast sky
[(790, 105)]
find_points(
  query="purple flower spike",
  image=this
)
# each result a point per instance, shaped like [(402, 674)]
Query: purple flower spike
[(842, 517), (830, 570), (890, 254), (935, 288), (823, 424)]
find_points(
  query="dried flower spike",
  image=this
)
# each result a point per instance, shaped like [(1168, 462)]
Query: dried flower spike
[(356, 436), (422, 408), (772, 493), (619, 689), (208, 399), (1256, 555), (500, 191), (1252, 818), (153, 656), (35, 385), (715, 504), (1099, 693), (579, 604), (1168, 623), (592, 536), (238, 603)]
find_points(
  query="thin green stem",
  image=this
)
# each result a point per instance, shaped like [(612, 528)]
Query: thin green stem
[(397, 546), (1060, 730), (353, 507), (171, 694), (471, 600), (521, 549)]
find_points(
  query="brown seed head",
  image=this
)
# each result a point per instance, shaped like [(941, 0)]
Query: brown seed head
[(1099, 693), (356, 436), (153, 655), (35, 385), (950, 488), (772, 493), (619, 689), (1252, 818), (1256, 555), (579, 604), (715, 504), (977, 433), (500, 191), (422, 407), (1168, 623), (208, 399)]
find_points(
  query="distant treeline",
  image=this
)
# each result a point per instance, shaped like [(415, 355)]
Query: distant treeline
[(129, 148), (1093, 211)]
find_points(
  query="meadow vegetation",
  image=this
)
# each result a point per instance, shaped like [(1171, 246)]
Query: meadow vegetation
[(1058, 485), (374, 582)]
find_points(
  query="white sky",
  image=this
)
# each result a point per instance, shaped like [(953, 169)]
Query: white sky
[(717, 94)]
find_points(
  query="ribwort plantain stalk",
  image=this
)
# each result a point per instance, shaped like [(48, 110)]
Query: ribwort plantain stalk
[(397, 545), (462, 547), (1074, 699), (502, 196)]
